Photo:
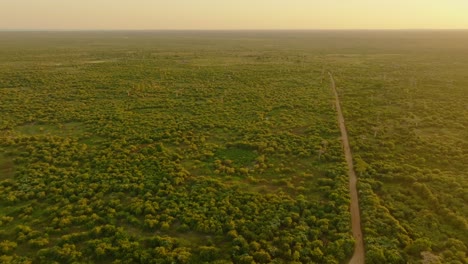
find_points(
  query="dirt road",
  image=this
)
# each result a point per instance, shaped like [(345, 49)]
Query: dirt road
[(358, 256)]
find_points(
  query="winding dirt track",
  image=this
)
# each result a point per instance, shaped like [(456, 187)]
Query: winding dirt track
[(358, 256)]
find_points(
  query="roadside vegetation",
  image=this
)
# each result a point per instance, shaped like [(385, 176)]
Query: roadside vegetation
[(407, 117)]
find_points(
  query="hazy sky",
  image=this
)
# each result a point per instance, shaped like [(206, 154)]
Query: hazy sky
[(233, 14)]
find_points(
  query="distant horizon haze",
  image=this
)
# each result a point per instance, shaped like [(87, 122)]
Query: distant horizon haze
[(236, 30), (65, 15)]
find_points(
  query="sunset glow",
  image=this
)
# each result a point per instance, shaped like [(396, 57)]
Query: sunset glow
[(241, 14)]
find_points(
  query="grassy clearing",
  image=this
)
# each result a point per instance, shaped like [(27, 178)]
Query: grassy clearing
[(7, 167)]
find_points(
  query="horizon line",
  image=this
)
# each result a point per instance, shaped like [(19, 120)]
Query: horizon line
[(272, 29)]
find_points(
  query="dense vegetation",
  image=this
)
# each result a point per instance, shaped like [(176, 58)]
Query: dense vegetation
[(192, 147), (141, 150), (408, 121)]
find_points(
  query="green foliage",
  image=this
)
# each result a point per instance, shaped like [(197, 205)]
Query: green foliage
[(7, 246), (162, 151), (176, 147), (419, 245), (405, 117)]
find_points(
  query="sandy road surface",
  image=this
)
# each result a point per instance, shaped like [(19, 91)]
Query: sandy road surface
[(358, 256)]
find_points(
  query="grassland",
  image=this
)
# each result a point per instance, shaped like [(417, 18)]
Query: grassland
[(193, 147)]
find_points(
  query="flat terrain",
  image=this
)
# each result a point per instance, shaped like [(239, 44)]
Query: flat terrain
[(224, 147)]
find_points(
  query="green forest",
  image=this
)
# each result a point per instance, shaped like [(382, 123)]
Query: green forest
[(224, 147)]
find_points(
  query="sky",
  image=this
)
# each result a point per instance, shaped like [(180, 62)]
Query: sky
[(232, 14)]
